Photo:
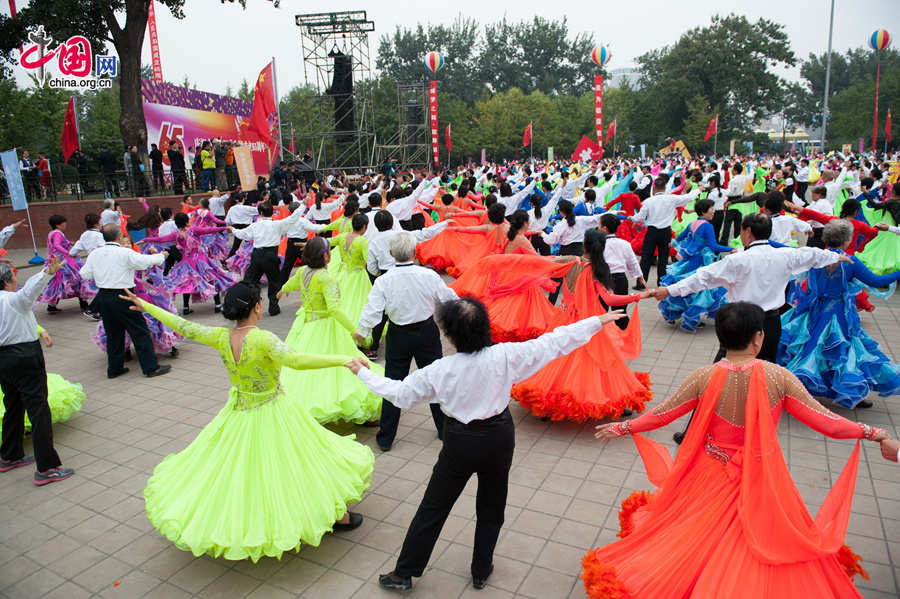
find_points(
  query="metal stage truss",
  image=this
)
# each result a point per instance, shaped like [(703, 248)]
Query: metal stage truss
[(322, 37), (410, 147)]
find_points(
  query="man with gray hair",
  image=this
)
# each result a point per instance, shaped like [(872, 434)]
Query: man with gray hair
[(23, 378), (408, 295), (112, 267)]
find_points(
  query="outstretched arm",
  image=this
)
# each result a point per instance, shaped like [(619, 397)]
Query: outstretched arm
[(801, 405), (200, 333), (867, 277), (284, 355)]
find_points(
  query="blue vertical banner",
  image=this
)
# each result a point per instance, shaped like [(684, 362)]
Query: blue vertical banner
[(14, 179)]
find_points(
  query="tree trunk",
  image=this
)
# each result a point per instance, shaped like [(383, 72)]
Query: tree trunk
[(128, 41)]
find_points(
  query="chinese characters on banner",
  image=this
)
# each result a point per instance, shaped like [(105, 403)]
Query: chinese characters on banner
[(598, 107), (432, 105), (154, 44)]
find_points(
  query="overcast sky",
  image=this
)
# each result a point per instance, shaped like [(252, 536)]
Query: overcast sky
[(221, 44)]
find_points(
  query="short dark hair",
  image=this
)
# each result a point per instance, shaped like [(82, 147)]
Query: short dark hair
[(384, 220), (759, 224), (182, 220), (265, 209), (850, 207), (314, 252), (56, 220), (165, 213), (111, 233), (91, 219), (590, 195), (610, 222), (496, 213), (737, 323), (466, 323), (359, 221), (240, 299), (775, 204), (701, 206)]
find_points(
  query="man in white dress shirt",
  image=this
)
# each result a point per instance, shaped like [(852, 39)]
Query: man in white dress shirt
[(112, 213), (473, 390), (23, 378), (7, 232), (296, 239), (621, 259), (657, 213), (408, 295), (735, 191), (112, 268), (266, 234)]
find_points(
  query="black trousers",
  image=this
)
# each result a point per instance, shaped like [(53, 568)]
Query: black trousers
[(117, 319), (159, 181), (656, 240), (291, 254), (421, 341), (415, 223), (802, 186), (816, 240), (264, 261), (23, 378), (717, 220), (178, 181), (620, 287), (378, 331), (172, 259), (111, 184), (539, 245), (236, 244), (482, 447), (732, 222), (571, 249)]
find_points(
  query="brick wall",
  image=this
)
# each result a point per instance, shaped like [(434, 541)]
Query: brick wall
[(74, 211)]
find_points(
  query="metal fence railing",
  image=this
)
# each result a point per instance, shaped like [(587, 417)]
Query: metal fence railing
[(66, 183)]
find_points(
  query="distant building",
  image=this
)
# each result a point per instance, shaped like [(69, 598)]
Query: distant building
[(617, 77)]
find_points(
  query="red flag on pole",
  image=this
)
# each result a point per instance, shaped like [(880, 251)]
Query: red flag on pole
[(610, 131), (713, 127), (447, 141), (154, 44), (526, 138), (887, 127), (69, 137), (587, 150), (263, 105)]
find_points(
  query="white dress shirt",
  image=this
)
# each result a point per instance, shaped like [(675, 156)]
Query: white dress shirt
[(803, 174), (5, 234), (659, 210), (379, 257), (834, 187), (822, 207), (110, 217), (112, 266), (894, 230), (783, 225), (476, 386), (302, 227), (736, 185), (757, 275), (265, 232), (17, 322), (217, 205), (89, 241), (510, 203), (324, 212), (645, 181), (563, 234), (407, 294), (620, 257), (239, 214), (718, 197), (402, 209), (166, 228)]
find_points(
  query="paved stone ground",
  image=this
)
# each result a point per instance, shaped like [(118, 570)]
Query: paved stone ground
[(88, 536)]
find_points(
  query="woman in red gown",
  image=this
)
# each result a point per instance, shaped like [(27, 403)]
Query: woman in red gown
[(593, 382), (727, 519), (514, 285)]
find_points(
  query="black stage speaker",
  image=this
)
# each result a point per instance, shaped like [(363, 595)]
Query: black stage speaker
[(342, 92), (413, 122)]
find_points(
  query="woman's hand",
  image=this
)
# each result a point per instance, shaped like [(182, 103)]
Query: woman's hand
[(356, 364), (53, 266), (605, 432), (611, 317), (48, 340), (131, 297), (281, 293)]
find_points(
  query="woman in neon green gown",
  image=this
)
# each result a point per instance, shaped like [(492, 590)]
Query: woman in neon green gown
[(322, 325), (63, 397), (263, 477), (352, 277)]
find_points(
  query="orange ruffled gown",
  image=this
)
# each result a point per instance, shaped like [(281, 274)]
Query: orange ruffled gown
[(447, 247), (722, 524), (512, 288), (593, 382)]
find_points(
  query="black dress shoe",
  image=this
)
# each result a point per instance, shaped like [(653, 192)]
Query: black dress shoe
[(865, 404), (160, 370), (356, 521), (120, 373), (274, 310), (173, 353), (384, 446), (639, 287), (480, 583), (394, 582)]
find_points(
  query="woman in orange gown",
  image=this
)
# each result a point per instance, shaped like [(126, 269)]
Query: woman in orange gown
[(458, 248), (513, 286), (593, 382), (727, 519)]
